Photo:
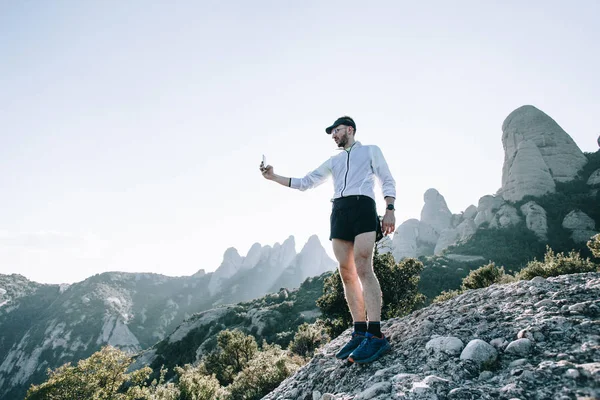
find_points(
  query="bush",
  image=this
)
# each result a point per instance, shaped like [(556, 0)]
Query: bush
[(594, 245), (195, 384), (307, 339), (485, 276), (399, 286), (101, 376), (235, 350), (447, 295), (557, 264), (263, 373)]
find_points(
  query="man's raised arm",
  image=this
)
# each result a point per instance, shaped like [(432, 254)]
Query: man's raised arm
[(311, 180)]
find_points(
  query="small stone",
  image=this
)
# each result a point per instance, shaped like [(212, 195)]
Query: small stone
[(572, 373), (485, 375), (517, 363), (316, 395), (520, 347), (374, 391), (577, 308), (544, 303), (538, 280), (480, 352)]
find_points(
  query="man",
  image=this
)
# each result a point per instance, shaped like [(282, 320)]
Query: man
[(354, 228)]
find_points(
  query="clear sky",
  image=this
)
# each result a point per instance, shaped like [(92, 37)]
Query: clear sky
[(131, 131)]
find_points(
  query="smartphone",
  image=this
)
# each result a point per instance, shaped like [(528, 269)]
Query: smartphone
[(264, 161)]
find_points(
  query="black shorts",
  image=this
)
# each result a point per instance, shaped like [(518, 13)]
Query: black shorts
[(353, 215)]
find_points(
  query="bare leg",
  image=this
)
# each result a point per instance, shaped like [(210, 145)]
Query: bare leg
[(363, 258), (344, 252)]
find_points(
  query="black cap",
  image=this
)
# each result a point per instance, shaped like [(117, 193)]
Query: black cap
[(341, 121)]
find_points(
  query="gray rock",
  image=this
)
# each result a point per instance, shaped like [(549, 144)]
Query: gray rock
[(527, 174), (435, 212), (404, 243), (560, 153), (594, 179), (486, 207), (564, 343), (449, 345), (582, 235), (479, 351), (535, 219), (374, 390), (448, 237), (505, 217), (577, 219), (519, 347), (470, 212)]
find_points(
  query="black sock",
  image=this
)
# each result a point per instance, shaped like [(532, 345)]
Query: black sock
[(375, 328), (360, 327)]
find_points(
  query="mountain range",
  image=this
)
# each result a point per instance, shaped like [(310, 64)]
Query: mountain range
[(549, 194)]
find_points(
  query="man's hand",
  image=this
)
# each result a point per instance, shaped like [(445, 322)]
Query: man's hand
[(267, 171), (389, 223)]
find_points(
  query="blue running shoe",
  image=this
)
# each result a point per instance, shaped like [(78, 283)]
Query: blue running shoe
[(355, 341), (370, 349)]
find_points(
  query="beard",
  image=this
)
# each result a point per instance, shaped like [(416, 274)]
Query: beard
[(343, 141)]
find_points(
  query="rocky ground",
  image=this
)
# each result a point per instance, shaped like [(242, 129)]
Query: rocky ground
[(537, 339)]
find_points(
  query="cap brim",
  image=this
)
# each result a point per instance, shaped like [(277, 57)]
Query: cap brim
[(328, 130)]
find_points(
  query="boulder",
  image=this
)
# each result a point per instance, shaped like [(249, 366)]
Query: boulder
[(486, 207), (559, 152), (594, 179), (535, 219), (578, 220), (505, 217)]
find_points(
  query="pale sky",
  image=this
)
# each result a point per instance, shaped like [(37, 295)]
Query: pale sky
[(131, 131)]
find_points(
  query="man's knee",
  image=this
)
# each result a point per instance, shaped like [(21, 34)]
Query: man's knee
[(348, 273)]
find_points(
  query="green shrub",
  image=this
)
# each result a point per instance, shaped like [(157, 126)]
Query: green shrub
[(235, 350), (594, 245), (485, 276), (447, 295), (263, 373), (308, 338), (195, 384), (557, 264), (101, 376)]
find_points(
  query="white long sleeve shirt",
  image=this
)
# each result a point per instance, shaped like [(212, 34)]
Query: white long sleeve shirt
[(354, 171)]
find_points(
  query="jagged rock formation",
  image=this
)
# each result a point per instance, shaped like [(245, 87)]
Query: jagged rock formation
[(232, 262), (535, 339), (537, 152), (45, 326)]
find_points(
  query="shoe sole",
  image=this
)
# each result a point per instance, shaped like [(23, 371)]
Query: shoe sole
[(374, 357)]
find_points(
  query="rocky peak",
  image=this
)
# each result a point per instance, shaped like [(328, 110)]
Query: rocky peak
[(533, 339), (435, 211), (525, 130)]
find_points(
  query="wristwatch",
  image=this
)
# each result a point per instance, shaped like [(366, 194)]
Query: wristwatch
[(390, 207)]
